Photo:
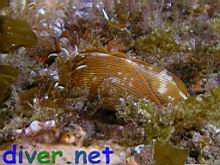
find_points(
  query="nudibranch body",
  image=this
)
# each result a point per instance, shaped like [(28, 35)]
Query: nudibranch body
[(112, 76)]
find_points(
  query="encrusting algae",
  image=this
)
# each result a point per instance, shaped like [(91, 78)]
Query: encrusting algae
[(112, 76)]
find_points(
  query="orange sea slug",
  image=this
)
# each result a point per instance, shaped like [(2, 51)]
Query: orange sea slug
[(112, 76)]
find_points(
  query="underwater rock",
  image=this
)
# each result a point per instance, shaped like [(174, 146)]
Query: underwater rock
[(113, 76), (12, 37), (213, 82), (35, 127)]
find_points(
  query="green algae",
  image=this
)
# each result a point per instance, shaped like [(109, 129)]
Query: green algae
[(215, 24), (162, 124), (143, 114), (160, 42)]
